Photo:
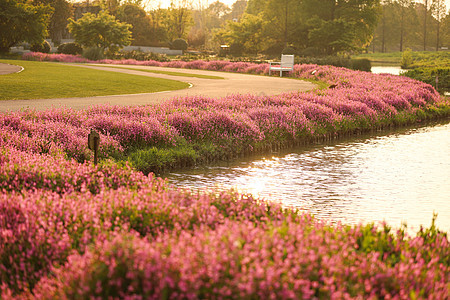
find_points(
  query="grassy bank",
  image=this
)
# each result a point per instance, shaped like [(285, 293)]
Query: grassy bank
[(181, 74), (378, 58), (429, 59), (41, 80)]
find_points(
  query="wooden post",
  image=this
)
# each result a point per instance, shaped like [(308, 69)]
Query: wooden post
[(94, 143)]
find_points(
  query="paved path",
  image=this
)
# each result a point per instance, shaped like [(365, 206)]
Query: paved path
[(233, 83), (8, 69)]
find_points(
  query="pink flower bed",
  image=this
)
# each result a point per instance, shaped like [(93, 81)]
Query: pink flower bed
[(69, 229), (156, 241), (41, 228), (21, 170)]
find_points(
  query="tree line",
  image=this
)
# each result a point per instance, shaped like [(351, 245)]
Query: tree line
[(405, 24), (305, 27)]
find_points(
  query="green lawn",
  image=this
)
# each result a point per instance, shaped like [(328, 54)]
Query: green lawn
[(44, 80), (439, 59), (169, 73), (392, 58)]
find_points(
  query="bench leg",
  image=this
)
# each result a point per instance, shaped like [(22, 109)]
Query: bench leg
[(281, 73), (269, 72)]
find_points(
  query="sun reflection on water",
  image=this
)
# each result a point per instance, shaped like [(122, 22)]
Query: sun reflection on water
[(397, 177)]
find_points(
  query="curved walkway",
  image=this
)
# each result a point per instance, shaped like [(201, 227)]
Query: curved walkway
[(8, 69), (233, 83)]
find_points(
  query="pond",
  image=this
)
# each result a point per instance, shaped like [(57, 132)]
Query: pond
[(394, 70), (396, 176)]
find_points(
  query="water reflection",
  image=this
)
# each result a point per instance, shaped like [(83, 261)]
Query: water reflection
[(398, 176), (394, 70)]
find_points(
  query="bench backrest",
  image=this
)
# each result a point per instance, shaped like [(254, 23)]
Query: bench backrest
[(287, 61)]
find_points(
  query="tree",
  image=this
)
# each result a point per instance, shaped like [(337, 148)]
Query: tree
[(361, 16), (238, 9), (383, 27), (62, 11), (282, 19), (178, 19), (425, 15), (20, 21), (102, 31), (248, 34), (331, 37), (142, 30), (438, 9), (216, 14), (111, 6), (403, 6), (446, 30)]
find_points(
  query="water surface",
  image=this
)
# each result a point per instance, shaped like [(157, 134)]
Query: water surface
[(397, 176), (394, 70)]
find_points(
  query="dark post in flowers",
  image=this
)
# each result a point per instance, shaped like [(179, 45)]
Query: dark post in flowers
[(93, 143)]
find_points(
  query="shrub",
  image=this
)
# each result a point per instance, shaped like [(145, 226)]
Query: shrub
[(288, 50), (140, 56), (428, 75), (70, 48), (361, 64), (337, 61), (309, 52), (274, 50), (407, 59), (93, 53), (179, 44), (44, 47), (236, 49)]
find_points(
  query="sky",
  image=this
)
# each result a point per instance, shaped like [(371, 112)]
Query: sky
[(166, 3)]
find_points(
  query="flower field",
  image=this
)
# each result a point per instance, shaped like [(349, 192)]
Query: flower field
[(73, 230), (196, 130)]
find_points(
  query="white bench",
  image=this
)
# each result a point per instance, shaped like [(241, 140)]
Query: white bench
[(286, 64)]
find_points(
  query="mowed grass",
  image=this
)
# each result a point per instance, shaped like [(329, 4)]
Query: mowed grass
[(169, 73), (391, 58), (45, 80)]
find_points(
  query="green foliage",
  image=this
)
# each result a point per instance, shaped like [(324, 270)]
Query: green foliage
[(93, 53), (70, 48), (102, 31), (179, 44), (361, 65), (337, 61), (144, 32), (140, 55), (428, 75), (159, 159), (275, 50), (62, 11), (21, 21), (331, 37), (248, 34), (402, 25), (440, 59), (430, 234), (43, 47), (327, 27), (289, 50), (407, 59), (178, 19), (433, 59), (236, 49)]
